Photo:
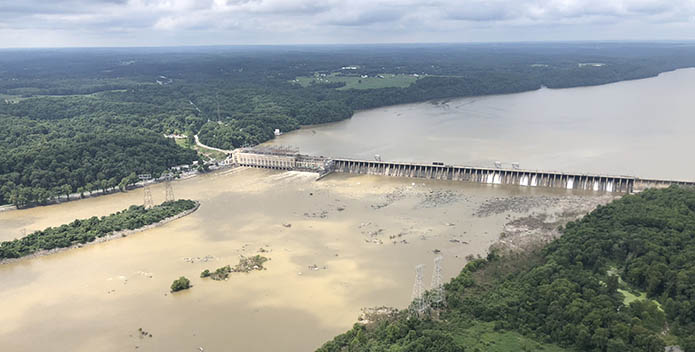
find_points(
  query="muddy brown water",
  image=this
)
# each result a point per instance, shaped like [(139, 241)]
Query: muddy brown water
[(640, 128), (97, 297)]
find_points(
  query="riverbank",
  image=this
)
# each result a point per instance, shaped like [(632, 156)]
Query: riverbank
[(99, 193), (347, 242), (105, 238)]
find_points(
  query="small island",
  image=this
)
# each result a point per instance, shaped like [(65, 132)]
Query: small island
[(79, 232), (181, 283), (245, 265)]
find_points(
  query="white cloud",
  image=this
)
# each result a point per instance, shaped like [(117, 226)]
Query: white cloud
[(156, 22)]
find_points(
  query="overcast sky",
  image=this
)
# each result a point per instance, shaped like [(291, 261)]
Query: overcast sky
[(58, 23)]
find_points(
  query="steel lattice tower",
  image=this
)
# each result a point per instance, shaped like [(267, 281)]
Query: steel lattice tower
[(437, 294), (419, 305), (169, 189), (147, 203)]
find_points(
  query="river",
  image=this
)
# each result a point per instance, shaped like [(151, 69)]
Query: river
[(639, 128), (365, 234)]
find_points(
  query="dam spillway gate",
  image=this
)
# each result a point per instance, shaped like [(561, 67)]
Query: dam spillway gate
[(495, 176), (436, 171)]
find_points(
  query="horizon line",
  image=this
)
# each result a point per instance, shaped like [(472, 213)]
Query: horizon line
[(576, 41)]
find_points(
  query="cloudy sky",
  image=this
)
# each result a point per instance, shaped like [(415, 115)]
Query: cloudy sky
[(59, 23)]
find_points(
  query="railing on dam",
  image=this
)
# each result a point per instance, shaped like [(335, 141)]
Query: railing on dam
[(496, 176), (600, 183), (530, 178)]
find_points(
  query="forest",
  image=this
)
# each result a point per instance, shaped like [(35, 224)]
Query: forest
[(78, 120), (573, 293), (87, 230)]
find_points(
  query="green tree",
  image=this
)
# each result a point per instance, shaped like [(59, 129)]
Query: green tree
[(182, 283)]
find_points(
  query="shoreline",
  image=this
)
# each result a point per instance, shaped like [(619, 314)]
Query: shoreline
[(106, 238), (100, 193)]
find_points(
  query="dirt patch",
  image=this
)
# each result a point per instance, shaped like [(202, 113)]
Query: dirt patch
[(530, 232)]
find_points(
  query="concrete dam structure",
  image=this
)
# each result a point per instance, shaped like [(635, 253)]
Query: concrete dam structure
[(278, 158), (501, 176), (289, 159)]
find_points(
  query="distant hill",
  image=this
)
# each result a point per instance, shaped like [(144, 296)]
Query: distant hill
[(59, 107)]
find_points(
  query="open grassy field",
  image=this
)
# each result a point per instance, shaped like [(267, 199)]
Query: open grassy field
[(208, 153), (481, 336), (12, 99), (357, 82)]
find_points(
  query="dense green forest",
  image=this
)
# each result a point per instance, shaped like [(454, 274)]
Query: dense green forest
[(574, 293), (78, 120), (87, 230)]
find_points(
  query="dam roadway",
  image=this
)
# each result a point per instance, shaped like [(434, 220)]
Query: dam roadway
[(439, 171)]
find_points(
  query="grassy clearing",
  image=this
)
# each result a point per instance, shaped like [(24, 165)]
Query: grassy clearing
[(357, 82), (634, 295), (207, 153), (631, 294), (481, 336), (13, 99)]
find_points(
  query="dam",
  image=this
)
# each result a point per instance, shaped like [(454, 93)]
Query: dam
[(286, 159)]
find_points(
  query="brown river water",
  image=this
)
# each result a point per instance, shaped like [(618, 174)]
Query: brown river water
[(96, 298), (640, 128)]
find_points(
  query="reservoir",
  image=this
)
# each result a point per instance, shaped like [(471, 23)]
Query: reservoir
[(345, 242), (640, 128)]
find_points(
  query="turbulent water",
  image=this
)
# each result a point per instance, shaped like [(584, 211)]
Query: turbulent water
[(97, 297), (639, 128)]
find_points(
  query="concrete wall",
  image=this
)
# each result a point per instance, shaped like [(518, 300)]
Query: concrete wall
[(526, 178), (281, 162), (598, 183)]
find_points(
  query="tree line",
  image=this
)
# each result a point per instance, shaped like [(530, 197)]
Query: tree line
[(77, 120), (87, 230), (573, 292)]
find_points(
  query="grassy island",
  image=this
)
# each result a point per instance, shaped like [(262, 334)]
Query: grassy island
[(181, 283), (620, 279), (88, 230), (245, 265)]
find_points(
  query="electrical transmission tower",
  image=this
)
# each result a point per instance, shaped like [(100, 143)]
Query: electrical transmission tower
[(437, 293), (146, 190), (169, 189), (419, 305)]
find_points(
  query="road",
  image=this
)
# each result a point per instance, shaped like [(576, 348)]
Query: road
[(197, 142)]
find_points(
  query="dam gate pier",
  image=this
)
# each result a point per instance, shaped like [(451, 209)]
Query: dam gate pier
[(283, 158)]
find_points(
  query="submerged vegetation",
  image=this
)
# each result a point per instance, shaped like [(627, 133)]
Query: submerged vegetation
[(571, 293), (87, 230), (245, 265), (182, 283)]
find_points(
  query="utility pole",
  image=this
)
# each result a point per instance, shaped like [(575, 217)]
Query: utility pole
[(147, 203)]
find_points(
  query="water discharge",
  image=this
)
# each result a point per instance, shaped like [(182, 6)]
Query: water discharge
[(340, 244), (336, 246)]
